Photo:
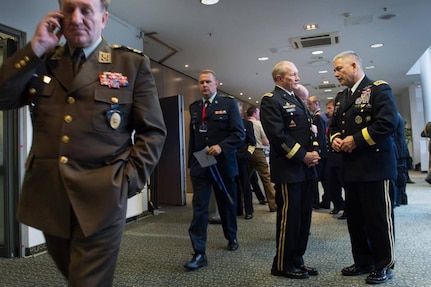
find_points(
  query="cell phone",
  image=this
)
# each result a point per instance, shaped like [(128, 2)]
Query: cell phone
[(55, 30)]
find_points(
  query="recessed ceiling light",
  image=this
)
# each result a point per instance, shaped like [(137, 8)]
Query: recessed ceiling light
[(377, 45), (220, 84), (257, 102), (311, 27), (323, 72), (370, 67), (240, 94), (327, 90), (249, 98), (325, 82), (209, 2), (186, 66), (263, 59), (329, 98), (317, 52)]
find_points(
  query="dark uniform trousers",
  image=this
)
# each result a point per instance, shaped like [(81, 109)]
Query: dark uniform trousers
[(370, 225), (294, 201), (201, 197)]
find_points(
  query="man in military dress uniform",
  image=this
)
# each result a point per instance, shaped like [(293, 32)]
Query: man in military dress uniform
[(216, 128), (293, 156), (83, 163), (362, 127)]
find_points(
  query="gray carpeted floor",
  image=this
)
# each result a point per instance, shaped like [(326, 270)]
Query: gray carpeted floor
[(155, 248)]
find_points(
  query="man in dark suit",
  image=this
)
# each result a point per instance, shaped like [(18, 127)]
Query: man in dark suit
[(215, 127), (243, 155), (319, 120), (361, 129), (293, 156), (83, 163)]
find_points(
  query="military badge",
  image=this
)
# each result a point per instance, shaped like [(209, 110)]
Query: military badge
[(292, 124), (113, 80), (358, 120), (367, 119), (364, 98), (114, 116), (104, 57)]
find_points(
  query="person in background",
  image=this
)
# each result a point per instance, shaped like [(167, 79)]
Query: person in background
[(258, 160), (243, 155), (98, 132), (215, 128), (254, 181), (334, 170), (293, 156), (402, 155), (361, 129), (427, 133), (319, 120), (302, 93)]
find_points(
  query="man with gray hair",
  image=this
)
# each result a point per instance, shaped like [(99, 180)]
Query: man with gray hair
[(87, 99), (361, 130)]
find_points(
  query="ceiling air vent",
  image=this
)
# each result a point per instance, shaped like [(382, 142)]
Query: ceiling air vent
[(315, 40), (327, 86)]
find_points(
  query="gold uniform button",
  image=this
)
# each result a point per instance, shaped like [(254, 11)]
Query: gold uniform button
[(114, 100), (32, 91), (65, 139), (64, 159), (18, 66), (343, 131), (343, 122), (68, 119), (22, 63), (344, 114), (27, 59), (71, 100)]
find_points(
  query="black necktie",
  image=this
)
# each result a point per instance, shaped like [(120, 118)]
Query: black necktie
[(77, 59)]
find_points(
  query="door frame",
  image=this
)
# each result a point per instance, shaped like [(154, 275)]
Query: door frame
[(13, 154)]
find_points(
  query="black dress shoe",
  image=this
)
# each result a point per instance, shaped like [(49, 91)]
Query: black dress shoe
[(214, 220), (248, 216), (233, 245), (262, 202), (343, 216), (310, 270), (334, 211), (293, 273), (380, 276), (198, 261), (355, 270)]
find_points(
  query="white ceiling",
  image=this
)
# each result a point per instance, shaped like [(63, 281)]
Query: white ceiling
[(229, 37)]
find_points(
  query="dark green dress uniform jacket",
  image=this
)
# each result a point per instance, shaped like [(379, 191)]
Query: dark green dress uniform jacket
[(83, 156), (370, 115)]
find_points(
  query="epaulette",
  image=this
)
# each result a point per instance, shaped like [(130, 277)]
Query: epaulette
[(379, 82), (267, 95), (125, 48)]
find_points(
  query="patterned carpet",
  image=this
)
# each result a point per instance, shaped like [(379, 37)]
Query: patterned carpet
[(155, 248)]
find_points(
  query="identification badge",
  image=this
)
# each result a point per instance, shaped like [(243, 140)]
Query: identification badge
[(203, 128), (114, 117)]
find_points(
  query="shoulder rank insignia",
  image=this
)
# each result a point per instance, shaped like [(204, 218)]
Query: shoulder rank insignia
[(267, 95), (379, 82), (125, 48)]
